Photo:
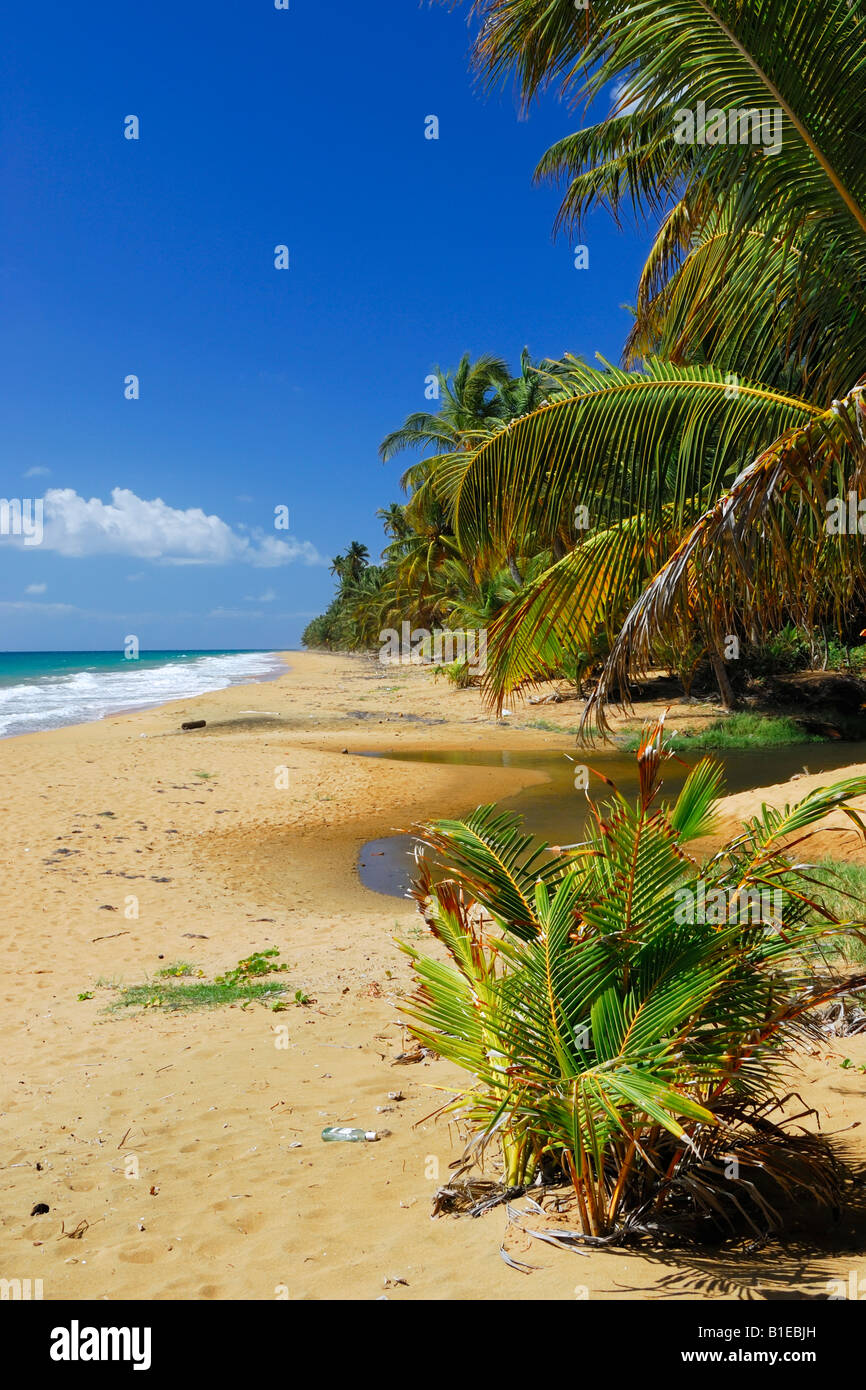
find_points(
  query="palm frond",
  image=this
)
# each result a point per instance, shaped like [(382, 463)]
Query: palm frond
[(614, 1038), (764, 549), (618, 444)]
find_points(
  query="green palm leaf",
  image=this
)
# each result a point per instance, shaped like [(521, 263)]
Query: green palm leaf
[(609, 1032), (761, 554), (618, 444)]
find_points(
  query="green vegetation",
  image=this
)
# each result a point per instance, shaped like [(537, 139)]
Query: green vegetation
[(204, 995), (738, 730), (745, 729), (694, 509), (842, 890), (259, 963), (626, 1018), (680, 511), (178, 971), (675, 511), (423, 575), (457, 673), (243, 984), (547, 726), (846, 883)]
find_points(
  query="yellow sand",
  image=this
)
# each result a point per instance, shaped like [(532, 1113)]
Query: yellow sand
[(235, 1194)]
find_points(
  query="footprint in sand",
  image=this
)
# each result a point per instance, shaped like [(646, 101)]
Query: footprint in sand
[(141, 1256)]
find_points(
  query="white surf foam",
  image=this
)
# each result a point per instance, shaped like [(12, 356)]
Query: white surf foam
[(82, 696)]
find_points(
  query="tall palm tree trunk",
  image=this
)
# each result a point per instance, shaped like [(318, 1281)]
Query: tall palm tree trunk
[(725, 688)]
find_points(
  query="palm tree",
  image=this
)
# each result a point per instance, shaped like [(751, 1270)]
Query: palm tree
[(477, 401), (419, 557), (364, 603), (470, 407), (467, 408), (624, 1015), (357, 558), (520, 394), (394, 521), (471, 594), (754, 293), (632, 458), (350, 567)]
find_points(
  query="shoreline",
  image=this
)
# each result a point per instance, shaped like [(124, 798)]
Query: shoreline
[(156, 704), (219, 1113), (139, 709)]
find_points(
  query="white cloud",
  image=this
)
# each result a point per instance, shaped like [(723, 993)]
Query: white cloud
[(36, 588), (37, 472), (43, 608), (267, 597), (624, 100), (245, 613), (152, 530), (248, 613)]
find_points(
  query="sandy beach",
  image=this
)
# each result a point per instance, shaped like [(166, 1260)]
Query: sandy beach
[(179, 1154)]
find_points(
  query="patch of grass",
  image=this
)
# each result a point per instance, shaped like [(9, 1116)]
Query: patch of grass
[(548, 727), (843, 892), (203, 995), (206, 776), (240, 985), (738, 730)]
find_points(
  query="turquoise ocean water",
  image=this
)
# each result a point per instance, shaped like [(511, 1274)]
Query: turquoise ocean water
[(44, 690)]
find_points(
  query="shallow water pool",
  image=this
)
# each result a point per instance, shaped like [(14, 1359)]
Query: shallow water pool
[(556, 812)]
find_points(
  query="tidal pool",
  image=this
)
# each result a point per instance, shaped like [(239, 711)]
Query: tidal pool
[(554, 811)]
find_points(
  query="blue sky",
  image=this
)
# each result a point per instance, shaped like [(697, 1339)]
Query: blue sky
[(259, 388)]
